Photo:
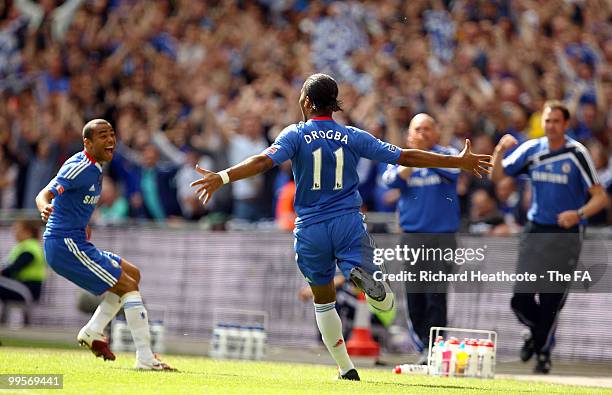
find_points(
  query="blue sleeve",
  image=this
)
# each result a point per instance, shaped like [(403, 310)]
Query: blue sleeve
[(70, 176), (368, 146), (285, 146), (519, 160), (448, 174), (391, 179)]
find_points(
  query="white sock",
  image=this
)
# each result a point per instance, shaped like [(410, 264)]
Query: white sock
[(384, 305), (108, 308), (138, 322), (330, 327)]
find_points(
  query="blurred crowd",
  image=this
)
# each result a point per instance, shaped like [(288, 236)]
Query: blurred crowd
[(213, 82)]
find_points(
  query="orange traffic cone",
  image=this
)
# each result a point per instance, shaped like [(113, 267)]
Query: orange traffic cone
[(361, 342)]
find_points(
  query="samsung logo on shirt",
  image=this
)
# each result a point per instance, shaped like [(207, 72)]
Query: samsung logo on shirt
[(549, 177), (329, 135), (91, 199), (433, 179)]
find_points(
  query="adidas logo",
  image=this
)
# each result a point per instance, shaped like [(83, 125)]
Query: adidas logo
[(92, 188)]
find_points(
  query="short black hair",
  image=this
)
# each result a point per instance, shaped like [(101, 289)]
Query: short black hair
[(558, 105), (323, 93), (90, 126)]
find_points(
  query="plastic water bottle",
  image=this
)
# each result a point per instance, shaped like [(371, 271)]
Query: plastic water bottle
[(259, 342), (121, 337), (247, 350), (117, 328), (411, 369), (486, 357), (158, 331), (452, 346), (436, 355), (233, 341), (218, 347), (461, 360), (447, 355), (472, 366)]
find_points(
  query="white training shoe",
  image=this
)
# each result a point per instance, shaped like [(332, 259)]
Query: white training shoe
[(155, 365)]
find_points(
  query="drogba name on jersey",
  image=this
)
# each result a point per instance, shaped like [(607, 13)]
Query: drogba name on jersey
[(324, 157)]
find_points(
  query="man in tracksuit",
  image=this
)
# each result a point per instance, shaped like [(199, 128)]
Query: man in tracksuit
[(565, 192), (429, 217)]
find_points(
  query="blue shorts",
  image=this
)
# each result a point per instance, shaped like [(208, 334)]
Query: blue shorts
[(82, 263), (341, 241)]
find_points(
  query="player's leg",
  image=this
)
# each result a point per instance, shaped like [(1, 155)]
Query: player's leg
[(435, 296), (416, 304), (354, 251), (314, 258), (137, 317), (527, 311), (563, 254), (550, 307), (111, 302), (523, 301), (425, 301), (102, 273), (79, 261), (330, 326)]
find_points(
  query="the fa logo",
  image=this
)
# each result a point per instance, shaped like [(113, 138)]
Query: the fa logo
[(142, 315), (565, 167)]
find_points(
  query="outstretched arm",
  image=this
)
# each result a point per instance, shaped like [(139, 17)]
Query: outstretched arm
[(211, 181), (466, 160)]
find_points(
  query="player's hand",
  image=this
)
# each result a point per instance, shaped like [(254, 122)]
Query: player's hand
[(568, 219), (476, 164), (46, 212), (506, 142), (208, 184), (88, 232)]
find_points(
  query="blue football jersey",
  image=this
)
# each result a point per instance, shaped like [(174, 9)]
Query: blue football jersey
[(76, 190), (560, 179), (324, 157), (428, 201)]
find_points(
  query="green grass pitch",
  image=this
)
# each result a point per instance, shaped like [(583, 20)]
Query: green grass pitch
[(85, 374)]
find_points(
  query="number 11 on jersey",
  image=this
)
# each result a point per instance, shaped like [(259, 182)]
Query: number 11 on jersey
[(317, 164)]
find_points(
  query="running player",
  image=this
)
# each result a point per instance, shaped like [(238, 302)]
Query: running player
[(329, 228), (66, 205)]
